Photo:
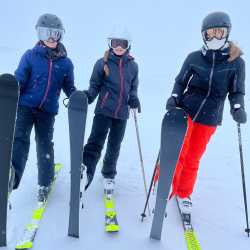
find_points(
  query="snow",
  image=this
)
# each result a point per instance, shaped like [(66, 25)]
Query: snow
[(163, 34)]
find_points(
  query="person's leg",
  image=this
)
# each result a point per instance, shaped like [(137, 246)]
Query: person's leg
[(44, 130), (21, 144), (93, 148), (198, 141), (115, 138)]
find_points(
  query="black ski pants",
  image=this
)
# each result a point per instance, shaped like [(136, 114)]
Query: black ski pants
[(102, 125), (43, 123)]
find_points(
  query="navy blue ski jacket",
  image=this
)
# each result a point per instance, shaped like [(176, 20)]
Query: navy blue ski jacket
[(205, 80), (115, 89), (42, 73)]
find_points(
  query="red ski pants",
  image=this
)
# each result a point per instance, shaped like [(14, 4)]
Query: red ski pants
[(194, 146)]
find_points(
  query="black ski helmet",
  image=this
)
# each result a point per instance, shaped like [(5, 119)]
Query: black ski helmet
[(216, 20), (50, 21)]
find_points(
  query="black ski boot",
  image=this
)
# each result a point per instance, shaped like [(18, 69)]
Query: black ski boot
[(43, 193)]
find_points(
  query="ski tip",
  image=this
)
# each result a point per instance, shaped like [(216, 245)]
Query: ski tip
[(191, 240), (112, 228), (8, 77), (58, 166), (78, 101), (24, 246)]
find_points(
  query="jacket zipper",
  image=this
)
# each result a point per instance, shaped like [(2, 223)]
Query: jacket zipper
[(48, 84), (209, 89), (104, 99), (121, 88)]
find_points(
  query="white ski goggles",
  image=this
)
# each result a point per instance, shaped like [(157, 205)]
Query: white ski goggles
[(116, 42), (46, 34)]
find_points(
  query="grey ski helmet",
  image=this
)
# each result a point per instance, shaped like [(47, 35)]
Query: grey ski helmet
[(216, 20), (49, 24), (49, 21)]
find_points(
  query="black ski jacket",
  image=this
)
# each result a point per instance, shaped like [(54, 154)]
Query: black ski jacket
[(205, 80), (115, 88)]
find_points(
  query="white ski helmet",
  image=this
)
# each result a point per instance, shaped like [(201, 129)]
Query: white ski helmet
[(119, 32)]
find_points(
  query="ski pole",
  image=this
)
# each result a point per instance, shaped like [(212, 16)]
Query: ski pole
[(143, 214), (140, 154), (247, 230)]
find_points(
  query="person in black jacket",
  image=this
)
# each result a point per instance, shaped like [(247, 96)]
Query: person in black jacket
[(115, 81), (207, 77)]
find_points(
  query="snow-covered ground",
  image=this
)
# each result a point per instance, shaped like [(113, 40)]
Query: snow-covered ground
[(163, 33)]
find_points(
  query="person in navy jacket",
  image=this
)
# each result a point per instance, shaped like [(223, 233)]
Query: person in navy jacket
[(42, 73), (207, 77), (115, 81)]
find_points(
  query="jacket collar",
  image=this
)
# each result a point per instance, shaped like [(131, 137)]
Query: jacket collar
[(58, 52), (125, 57), (229, 52)]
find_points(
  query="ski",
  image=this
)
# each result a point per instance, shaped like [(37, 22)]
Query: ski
[(77, 114), (189, 233), (9, 93), (111, 222), (173, 130), (37, 214)]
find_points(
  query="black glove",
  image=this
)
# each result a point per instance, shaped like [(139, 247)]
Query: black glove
[(172, 103), (239, 115), (90, 99), (134, 103)]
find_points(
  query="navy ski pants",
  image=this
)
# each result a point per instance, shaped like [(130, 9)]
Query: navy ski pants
[(43, 123), (102, 125)]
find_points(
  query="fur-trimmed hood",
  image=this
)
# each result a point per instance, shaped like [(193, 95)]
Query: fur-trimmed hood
[(234, 52), (229, 52)]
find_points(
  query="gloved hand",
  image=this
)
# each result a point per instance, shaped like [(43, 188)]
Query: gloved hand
[(239, 115), (90, 99), (172, 103), (134, 103)]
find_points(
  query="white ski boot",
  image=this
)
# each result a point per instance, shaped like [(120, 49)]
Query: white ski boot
[(185, 205)]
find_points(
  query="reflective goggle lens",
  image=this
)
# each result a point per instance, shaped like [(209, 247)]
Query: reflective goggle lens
[(114, 43), (218, 33), (46, 34)]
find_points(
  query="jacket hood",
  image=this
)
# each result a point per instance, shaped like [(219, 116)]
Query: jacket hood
[(234, 52), (230, 52)]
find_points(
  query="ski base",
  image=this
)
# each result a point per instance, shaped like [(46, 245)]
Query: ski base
[(173, 130), (37, 214), (111, 222)]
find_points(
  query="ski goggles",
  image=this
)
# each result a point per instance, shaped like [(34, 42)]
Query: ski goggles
[(114, 43), (46, 34), (218, 33)]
